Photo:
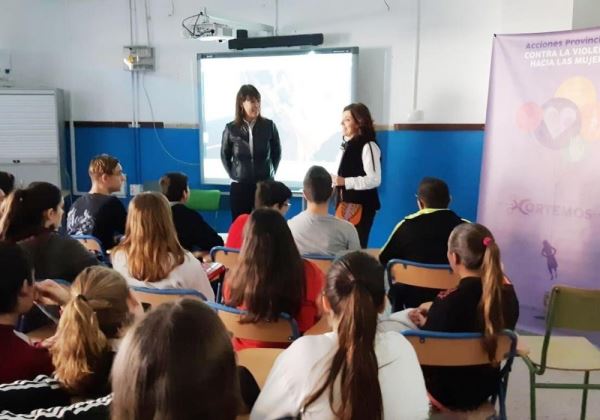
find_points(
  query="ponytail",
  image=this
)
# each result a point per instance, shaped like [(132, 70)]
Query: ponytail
[(491, 297), (355, 292), (97, 312), (80, 344), (24, 211)]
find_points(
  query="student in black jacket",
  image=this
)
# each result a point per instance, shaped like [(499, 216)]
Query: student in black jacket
[(193, 232), (421, 237), (484, 302)]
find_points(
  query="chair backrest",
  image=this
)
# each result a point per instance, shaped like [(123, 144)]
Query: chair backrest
[(322, 261), (458, 349), (574, 308), (259, 362), (204, 200), (284, 330), (433, 276), (154, 297), (226, 256), (92, 244)]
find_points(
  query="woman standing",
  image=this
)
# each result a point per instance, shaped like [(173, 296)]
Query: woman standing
[(250, 150), (359, 172)]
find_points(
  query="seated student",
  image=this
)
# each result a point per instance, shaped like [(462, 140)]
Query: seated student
[(483, 302), (97, 309), (150, 254), (98, 213), (19, 359), (271, 278), (30, 218), (315, 230), (194, 376), (193, 232), (7, 184), (421, 237), (383, 378), (269, 194)]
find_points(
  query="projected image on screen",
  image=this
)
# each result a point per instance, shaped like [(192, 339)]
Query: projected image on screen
[(302, 92)]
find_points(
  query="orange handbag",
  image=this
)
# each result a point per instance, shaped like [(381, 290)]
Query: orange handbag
[(351, 212)]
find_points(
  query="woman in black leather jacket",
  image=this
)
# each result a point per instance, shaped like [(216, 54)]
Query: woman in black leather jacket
[(250, 150)]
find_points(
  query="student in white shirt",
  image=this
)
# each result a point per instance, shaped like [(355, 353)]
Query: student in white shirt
[(150, 254), (355, 372)]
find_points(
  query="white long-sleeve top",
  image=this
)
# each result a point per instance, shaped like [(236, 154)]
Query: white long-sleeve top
[(371, 165), (188, 275), (300, 369)]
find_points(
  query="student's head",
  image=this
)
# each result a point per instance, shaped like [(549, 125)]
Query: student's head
[(99, 309), (16, 281), (317, 185), (472, 248), (247, 104), (150, 243), (177, 363), (272, 194), (28, 211), (433, 193), (269, 277), (354, 294), (106, 172), (7, 184), (356, 120), (174, 185)]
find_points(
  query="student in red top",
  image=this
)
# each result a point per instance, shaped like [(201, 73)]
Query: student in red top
[(269, 194), (18, 358), (271, 277)]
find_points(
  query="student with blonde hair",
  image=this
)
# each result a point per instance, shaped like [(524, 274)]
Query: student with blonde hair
[(150, 255), (484, 302), (97, 309), (99, 213)]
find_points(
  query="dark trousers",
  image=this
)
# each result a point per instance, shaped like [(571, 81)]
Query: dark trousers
[(364, 226), (241, 197)]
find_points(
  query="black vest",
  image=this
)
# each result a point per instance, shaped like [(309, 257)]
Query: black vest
[(351, 165)]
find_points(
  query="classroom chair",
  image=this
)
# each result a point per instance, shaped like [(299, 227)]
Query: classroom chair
[(205, 200), (93, 244), (284, 330), (574, 309), (433, 276), (466, 349), (322, 261), (259, 362), (229, 258), (151, 297)]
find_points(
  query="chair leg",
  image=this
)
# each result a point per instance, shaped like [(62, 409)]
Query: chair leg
[(532, 394), (586, 381)]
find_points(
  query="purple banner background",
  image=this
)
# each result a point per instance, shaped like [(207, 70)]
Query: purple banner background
[(540, 180)]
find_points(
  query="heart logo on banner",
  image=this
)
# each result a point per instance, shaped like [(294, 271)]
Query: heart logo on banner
[(561, 122)]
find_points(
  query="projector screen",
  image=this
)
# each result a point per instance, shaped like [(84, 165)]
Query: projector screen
[(302, 91)]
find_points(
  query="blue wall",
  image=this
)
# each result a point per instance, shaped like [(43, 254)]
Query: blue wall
[(407, 156)]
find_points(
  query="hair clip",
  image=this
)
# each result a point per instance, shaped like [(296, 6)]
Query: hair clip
[(487, 240)]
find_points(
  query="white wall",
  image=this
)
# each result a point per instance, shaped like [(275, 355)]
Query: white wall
[(77, 45)]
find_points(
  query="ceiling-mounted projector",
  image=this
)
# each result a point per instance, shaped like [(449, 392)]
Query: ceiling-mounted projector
[(242, 41), (212, 31)]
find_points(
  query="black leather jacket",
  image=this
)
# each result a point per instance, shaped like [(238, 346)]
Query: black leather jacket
[(240, 164)]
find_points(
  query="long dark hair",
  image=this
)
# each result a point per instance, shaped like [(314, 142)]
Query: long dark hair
[(24, 210), (245, 92), (477, 249), (177, 363), (356, 293), (362, 116), (269, 277)]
